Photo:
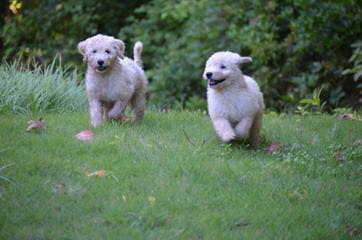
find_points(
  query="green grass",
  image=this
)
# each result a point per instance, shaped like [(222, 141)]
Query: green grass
[(162, 185), (39, 90)]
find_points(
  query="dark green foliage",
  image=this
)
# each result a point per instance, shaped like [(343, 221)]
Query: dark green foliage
[(356, 59), (297, 46), (44, 28)]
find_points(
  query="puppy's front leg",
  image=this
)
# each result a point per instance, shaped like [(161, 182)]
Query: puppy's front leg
[(95, 109), (107, 106), (223, 129), (117, 111), (243, 127)]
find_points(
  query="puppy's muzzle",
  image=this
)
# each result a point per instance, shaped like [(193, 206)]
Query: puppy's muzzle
[(213, 82), (100, 66), (208, 75)]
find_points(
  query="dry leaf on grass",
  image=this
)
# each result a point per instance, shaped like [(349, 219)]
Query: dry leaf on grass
[(357, 142), (36, 124), (340, 158), (347, 116), (98, 173), (274, 147), (86, 135), (58, 187), (352, 230)]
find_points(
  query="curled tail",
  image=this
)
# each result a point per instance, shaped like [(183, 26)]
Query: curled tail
[(137, 50)]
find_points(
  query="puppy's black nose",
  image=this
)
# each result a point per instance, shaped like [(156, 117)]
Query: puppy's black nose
[(209, 74), (100, 62)]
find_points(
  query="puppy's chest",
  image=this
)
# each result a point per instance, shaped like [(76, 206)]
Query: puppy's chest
[(108, 89), (231, 105)]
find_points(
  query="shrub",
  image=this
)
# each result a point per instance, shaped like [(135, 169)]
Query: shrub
[(52, 89), (297, 46), (43, 28)]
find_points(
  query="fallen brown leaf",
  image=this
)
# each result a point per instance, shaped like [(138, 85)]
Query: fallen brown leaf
[(98, 173), (357, 142), (58, 187), (347, 116), (340, 158), (36, 124), (86, 135), (274, 147), (352, 231)]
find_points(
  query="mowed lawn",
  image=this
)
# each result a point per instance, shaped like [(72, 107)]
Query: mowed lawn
[(170, 178)]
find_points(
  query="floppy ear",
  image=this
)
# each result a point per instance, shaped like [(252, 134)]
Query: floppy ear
[(119, 46), (241, 60), (82, 49)]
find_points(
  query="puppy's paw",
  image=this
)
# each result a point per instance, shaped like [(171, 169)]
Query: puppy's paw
[(121, 118), (96, 122), (114, 114), (117, 117), (228, 137), (242, 133)]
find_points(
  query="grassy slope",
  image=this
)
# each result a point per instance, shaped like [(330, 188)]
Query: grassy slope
[(163, 187)]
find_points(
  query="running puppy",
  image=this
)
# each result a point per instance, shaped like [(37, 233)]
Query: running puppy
[(235, 102), (113, 80)]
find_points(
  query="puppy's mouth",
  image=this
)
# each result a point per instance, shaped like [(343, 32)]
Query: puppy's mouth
[(213, 82), (101, 68)]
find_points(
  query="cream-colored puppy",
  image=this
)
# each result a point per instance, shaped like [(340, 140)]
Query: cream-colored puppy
[(113, 80), (235, 102)]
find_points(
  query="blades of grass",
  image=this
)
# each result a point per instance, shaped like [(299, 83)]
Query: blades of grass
[(8, 165), (7, 179), (40, 90)]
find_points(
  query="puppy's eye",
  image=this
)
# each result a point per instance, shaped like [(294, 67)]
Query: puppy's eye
[(94, 51), (222, 66), (108, 51)]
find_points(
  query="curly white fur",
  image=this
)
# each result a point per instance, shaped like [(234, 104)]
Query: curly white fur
[(235, 102), (113, 80)]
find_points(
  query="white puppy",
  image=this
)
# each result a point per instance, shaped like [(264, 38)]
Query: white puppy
[(113, 80), (235, 102)]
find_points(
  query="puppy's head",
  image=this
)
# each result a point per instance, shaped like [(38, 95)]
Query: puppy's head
[(222, 68), (101, 51)]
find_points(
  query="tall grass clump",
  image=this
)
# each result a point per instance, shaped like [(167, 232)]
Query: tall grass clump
[(36, 90)]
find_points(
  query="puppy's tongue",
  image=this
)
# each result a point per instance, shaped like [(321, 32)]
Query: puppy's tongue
[(212, 82)]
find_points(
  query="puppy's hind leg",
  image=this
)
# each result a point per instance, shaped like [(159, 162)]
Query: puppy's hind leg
[(117, 112), (138, 103), (255, 130), (223, 129)]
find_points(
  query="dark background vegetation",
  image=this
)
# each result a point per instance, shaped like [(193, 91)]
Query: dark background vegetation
[(297, 46)]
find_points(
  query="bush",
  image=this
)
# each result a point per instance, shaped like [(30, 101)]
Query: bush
[(43, 29), (40, 90), (297, 46)]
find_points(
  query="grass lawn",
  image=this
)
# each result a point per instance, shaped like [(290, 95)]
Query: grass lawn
[(170, 178)]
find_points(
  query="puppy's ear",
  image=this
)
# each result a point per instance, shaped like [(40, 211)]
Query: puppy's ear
[(119, 46), (245, 60), (241, 60), (82, 49)]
